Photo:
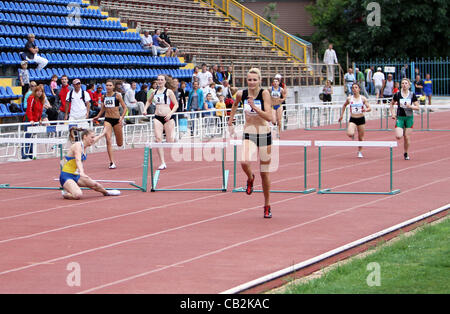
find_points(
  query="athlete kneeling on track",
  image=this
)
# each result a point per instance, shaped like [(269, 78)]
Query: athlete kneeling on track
[(73, 177)]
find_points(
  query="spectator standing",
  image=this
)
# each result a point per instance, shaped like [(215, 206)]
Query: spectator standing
[(195, 102), (204, 77), (228, 75), (418, 86), (97, 100), (428, 87), (220, 105), (369, 82), (33, 85), (31, 53), (24, 77), (211, 89), (141, 96), (361, 82), (330, 59), (182, 95), (388, 88), (62, 93), (78, 101), (195, 73), (35, 107), (378, 81), (147, 43), (217, 77), (403, 71), (349, 80)]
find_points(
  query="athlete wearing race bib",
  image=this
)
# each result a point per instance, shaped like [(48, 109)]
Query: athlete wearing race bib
[(113, 119), (358, 106), (278, 95), (406, 102), (257, 136)]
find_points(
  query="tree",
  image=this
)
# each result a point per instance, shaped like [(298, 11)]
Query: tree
[(408, 29), (270, 13)]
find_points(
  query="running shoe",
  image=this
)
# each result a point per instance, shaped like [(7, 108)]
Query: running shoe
[(112, 165), (360, 155), (162, 167), (113, 193), (249, 189), (406, 156), (267, 212)]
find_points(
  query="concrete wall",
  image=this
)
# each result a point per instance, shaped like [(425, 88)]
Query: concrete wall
[(309, 94)]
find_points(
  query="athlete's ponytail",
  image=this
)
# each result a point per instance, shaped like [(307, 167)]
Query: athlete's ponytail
[(77, 134)]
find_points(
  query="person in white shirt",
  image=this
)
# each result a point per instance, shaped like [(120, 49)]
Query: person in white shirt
[(78, 101), (147, 43), (330, 59), (136, 107), (211, 89), (204, 77), (378, 80)]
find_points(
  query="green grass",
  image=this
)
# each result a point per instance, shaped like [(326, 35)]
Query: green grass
[(417, 264)]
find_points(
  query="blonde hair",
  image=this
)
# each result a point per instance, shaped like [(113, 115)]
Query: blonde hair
[(255, 71)]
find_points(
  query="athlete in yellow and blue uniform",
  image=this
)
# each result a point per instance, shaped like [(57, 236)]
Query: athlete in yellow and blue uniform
[(72, 176)]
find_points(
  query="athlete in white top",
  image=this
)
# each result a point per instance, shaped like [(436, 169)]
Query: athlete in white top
[(278, 95), (358, 106)]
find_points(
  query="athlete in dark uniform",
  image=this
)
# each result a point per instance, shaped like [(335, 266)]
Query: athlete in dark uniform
[(257, 136)]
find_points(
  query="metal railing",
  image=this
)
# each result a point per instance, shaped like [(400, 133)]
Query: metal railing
[(294, 74), (263, 29), (206, 125)]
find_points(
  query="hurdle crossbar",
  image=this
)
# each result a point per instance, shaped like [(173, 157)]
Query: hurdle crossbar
[(59, 143), (390, 145), (156, 175), (303, 144)]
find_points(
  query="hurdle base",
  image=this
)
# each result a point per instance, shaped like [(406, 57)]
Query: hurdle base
[(307, 191), (328, 191), (8, 186), (223, 189)]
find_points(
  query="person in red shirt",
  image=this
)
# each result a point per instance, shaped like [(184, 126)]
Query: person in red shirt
[(64, 90), (97, 99), (35, 105)]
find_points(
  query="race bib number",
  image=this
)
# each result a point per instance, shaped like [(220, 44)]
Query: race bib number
[(359, 108), (405, 102), (110, 102), (249, 109)]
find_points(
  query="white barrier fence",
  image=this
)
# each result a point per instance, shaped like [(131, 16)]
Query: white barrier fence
[(199, 125)]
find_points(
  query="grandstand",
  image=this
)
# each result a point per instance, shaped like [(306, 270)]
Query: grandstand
[(93, 42)]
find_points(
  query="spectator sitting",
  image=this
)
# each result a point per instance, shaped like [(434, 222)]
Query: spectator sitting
[(327, 91), (78, 101), (158, 43), (31, 52), (24, 77), (166, 38), (147, 43), (136, 107)]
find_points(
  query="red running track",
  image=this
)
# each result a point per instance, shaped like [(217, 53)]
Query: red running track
[(207, 242)]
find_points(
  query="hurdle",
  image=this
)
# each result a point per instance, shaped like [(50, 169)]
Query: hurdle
[(303, 144), (308, 108), (59, 143), (427, 108), (321, 144), (192, 145)]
